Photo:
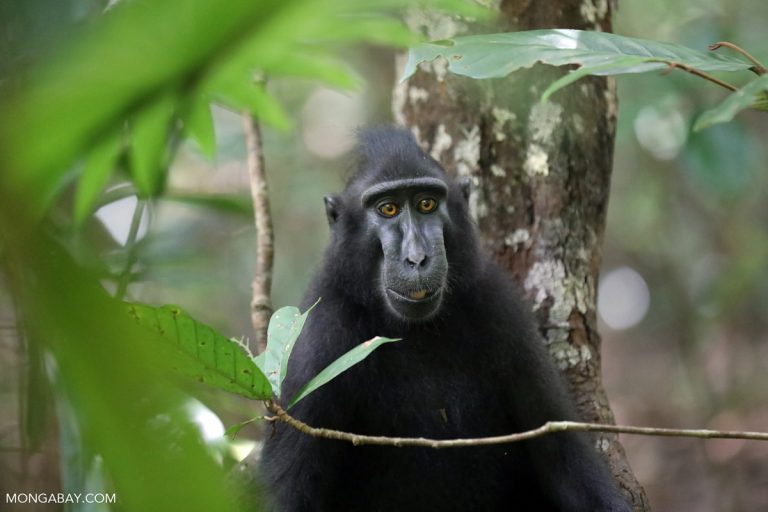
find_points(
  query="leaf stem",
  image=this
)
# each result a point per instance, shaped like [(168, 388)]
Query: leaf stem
[(701, 74), (130, 247), (758, 68)]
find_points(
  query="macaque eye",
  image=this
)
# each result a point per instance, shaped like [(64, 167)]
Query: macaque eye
[(388, 209), (427, 205)]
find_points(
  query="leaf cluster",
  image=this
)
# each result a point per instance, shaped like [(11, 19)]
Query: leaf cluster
[(197, 352), (595, 53)]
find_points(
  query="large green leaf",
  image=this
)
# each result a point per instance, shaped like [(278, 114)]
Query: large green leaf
[(597, 53), (283, 331), (201, 353), (752, 95), (340, 365)]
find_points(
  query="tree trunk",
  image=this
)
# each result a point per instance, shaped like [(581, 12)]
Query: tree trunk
[(540, 176)]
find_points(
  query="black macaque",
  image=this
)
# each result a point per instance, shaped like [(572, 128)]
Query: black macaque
[(404, 261)]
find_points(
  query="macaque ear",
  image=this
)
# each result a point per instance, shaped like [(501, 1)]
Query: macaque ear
[(466, 187), (332, 208)]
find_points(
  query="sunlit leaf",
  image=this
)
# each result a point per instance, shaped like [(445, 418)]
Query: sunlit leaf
[(283, 331), (98, 168), (198, 124), (340, 365), (497, 55), (149, 134), (744, 98), (203, 354)]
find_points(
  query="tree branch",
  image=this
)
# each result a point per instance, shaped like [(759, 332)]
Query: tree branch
[(261, 304), (547, 428)]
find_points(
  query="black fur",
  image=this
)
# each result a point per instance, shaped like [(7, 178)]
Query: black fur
[(476, 368)]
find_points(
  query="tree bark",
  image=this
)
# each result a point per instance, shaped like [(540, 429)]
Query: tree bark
[(540, 176)]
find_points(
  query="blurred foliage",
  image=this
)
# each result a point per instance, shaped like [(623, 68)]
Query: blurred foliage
[(692, 219), (90, 93)]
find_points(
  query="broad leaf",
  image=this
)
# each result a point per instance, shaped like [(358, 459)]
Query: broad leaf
[(339, 366), (199, 352), (598, 53), (96, 172), (283, 331), (752, 95)]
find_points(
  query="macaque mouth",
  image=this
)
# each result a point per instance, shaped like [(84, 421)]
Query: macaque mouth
[(420, 295), (417, 295)]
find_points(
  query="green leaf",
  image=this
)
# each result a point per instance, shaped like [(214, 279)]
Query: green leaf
[(199, 352), (227, 203), (339, 366), (35, 395), (497, 55), (198, 124), (589, 70), (242, 94), (232, 431), (748, 96), (96, 172), (317, 66), (283, 331), (148, 148), (374, 29)]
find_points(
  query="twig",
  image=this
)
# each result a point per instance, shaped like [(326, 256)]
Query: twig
[(758, 68), (261, 304), (699, 73), (130, 247), (547, 428)]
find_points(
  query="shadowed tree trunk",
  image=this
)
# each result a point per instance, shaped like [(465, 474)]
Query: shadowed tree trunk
[(540, 176)]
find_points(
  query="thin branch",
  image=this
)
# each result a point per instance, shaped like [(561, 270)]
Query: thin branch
[(547, 428), (699, 73), (261, 304), (130, 247), (758, 68)]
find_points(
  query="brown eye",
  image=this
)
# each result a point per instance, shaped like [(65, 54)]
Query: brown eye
[(427, 205), (389, 209)]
